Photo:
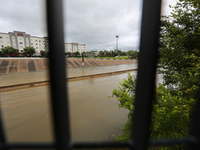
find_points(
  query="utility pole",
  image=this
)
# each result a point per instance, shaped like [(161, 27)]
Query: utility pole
[(117, 36), (82, 61)]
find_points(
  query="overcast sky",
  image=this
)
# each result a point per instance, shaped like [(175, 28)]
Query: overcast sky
[(91, 22)]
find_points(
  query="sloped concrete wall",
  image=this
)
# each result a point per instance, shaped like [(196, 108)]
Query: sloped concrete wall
[(30, 65)]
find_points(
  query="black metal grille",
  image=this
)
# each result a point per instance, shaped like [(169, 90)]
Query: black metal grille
[(144, 90)]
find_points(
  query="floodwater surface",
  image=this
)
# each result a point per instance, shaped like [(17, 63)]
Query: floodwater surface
[(93, 116)]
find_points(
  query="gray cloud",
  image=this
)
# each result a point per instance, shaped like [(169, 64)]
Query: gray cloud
[(91, 22), (96, 23)]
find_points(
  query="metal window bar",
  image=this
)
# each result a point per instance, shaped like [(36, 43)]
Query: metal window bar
[(144, 91)]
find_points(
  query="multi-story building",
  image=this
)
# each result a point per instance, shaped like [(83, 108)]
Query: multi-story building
[(74, 47), (20, 40)]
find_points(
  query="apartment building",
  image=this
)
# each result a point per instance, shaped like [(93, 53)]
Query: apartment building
[(19, 40), (74, 47)]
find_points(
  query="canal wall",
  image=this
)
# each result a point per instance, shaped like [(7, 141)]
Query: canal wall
[(8, 66)]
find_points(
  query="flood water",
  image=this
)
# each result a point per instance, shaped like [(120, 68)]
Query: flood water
[(93, 116)]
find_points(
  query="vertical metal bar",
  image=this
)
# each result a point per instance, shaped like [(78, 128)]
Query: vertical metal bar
[(2, 135), (59, 100), (195, 130), (146, 73)]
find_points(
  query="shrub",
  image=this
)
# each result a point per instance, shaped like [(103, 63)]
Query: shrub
[(171, 114)]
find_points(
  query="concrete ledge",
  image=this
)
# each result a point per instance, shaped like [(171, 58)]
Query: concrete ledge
[(70, 79)]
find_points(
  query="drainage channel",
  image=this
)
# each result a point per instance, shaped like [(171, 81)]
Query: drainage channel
[(69, 79)]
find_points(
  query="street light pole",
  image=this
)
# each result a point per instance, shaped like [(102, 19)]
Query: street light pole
[(117, 36)]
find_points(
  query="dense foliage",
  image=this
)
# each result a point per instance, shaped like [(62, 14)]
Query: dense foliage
[(133, 53), (112, 53), (42, 53), (29, 50), (9, 50), (77, 53), (171, 115), (180, 46)]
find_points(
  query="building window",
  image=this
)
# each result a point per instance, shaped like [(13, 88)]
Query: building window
[(1, 45), (31, 43), (31, 39), (7, 38), (14, 46), (39, 40), (21, 46), (35, 40), (20, 39), (43, 41), (20, 43), (21, 51), (8, 42), (26, 39), (1, 41), (0, 37), (40, 48), (36, 47), (13, 42), (36, 43), (26, 43), (40, 44), (13, 38)]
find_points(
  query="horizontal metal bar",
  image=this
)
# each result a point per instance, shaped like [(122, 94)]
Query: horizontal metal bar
[(73, 145), (103, 145), (27, 146), (152, 142), (159, 142)]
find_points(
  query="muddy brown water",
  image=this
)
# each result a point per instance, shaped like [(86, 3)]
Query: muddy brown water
[(93, 116)]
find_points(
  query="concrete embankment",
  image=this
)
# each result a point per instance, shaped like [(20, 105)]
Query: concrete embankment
[(17, 65), (69, 79)]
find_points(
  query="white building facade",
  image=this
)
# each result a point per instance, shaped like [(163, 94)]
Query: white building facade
[(75, 47), (20, 40)]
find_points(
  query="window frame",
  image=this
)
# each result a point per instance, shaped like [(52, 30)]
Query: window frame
[(144, 91)]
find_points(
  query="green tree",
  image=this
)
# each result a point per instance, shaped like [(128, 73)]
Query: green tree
[(9, 50), (29, 50), (42, 53), (124, 54), (180, 47), (112, 53), (69, 53), (83, 53), (77, 53), (171, 114), (101, 53), (133, 53)]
